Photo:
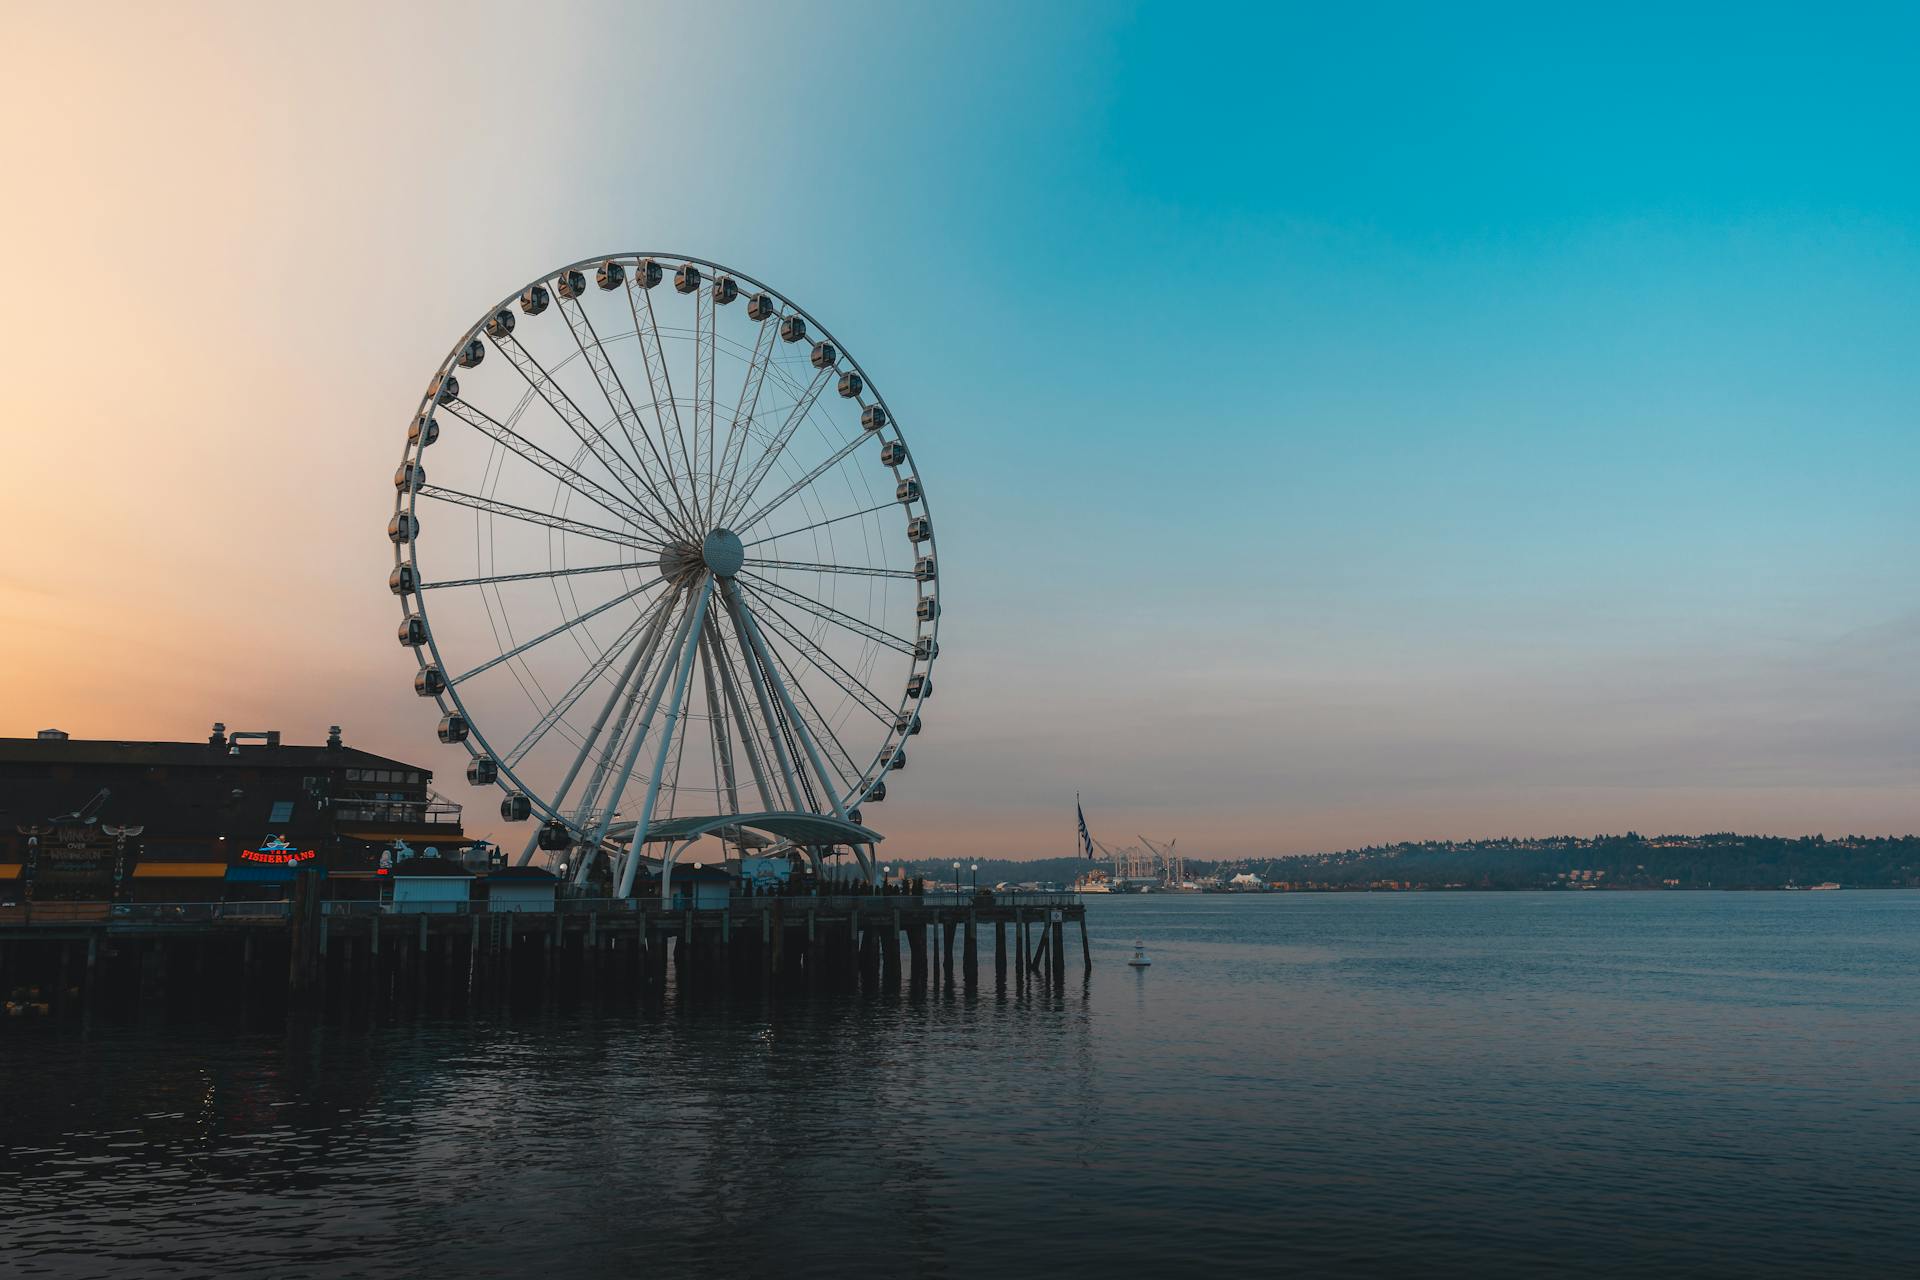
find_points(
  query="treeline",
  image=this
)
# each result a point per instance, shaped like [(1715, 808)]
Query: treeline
[(1719, 860), (1722, 860)]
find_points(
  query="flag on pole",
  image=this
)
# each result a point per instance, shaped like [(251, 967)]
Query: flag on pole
[(1086, 841)]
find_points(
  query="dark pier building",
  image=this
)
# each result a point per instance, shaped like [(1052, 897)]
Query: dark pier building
[(232, 817)]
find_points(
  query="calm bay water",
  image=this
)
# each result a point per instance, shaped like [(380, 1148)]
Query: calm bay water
[(1450, 1083)]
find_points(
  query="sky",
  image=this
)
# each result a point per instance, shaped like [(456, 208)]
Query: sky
[(1347, 423)]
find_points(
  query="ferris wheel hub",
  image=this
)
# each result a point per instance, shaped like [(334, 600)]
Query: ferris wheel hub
[(723, 552), (720, 553)]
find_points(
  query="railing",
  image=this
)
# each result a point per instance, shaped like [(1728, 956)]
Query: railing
[(212, 912), (832, 902), (373, 907), (193, 912)]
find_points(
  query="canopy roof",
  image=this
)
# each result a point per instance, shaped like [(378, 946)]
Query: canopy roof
[(801, 828)]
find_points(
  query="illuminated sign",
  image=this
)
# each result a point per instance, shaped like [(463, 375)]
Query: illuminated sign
[(276, 849)]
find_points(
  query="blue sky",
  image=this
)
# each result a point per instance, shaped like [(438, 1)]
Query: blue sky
[(1345, 424)]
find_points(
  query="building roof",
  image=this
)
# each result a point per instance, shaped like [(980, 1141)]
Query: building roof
[(523, 873), (99, 751), (801, 828)]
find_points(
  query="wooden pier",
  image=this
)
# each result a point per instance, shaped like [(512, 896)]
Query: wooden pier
[(365, 961)]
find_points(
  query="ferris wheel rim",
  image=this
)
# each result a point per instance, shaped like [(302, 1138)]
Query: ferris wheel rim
[(449, 700)]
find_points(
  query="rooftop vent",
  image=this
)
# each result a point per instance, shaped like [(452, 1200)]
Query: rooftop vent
[(52, 735), (333, 737)]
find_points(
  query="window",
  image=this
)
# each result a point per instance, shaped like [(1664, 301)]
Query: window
[(282, 812), (353, 775)]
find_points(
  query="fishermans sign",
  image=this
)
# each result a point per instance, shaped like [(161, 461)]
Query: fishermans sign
[(276, 849)]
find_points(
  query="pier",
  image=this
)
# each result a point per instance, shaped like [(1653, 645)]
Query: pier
[(359, 962)]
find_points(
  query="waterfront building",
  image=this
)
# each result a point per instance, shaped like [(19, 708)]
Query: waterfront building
[(235, 815), (701, 888), (521, 889), (431, 884)]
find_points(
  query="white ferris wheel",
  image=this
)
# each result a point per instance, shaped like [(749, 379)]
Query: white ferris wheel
[(667, 568)]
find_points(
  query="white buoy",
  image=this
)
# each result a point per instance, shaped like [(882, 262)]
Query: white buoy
[(1139, 960)]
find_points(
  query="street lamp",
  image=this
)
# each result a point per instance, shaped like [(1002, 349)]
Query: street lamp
[(976, 879), (886, 874), (956, 879)]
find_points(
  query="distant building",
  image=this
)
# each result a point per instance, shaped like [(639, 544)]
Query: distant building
[(109, 820)]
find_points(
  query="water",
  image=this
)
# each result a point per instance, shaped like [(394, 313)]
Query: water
[(1455, 1083)]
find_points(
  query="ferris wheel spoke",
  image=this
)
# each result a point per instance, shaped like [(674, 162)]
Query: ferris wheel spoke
[(558, 710), (819, 524), (859, 626), (784, 628), (740, 429), (615, 391), (493, 506), (659, 381), (612, 503), (494, 579), (771, 670), (568, 412), (757, 474), (717, 729), (816, 727), (544, 636), (770, 721), (626, 694), (804, 482), (637, 660), (799, 566), (703, 407)]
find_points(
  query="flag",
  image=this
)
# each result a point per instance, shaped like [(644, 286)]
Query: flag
[(1086, 841)]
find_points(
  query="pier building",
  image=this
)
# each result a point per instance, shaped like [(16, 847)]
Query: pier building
[(232, 817)]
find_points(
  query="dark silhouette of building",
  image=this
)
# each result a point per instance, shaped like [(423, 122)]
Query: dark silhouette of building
[(235, 815)]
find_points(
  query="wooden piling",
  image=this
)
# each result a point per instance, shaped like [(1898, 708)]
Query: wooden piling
[(971, 950)]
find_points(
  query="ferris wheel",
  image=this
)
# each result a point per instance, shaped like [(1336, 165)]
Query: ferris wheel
[(667, 568)]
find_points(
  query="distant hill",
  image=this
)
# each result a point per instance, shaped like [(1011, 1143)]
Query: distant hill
[(1720, 860)]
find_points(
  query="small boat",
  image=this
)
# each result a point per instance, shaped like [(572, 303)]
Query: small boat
[(1139, 960)]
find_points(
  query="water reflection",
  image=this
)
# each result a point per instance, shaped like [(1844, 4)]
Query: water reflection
[(1464, 1084)]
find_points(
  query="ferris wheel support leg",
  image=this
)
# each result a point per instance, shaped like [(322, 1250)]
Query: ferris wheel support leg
[(600, 723), (639, 737), (688, 647), (648, 640), (786, 701), (731, 694), (731, 601), (716, 716), (640, 665)]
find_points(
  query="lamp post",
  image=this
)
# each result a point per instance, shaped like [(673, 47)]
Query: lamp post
[(976, 879), (956, 879), (886, 874)]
